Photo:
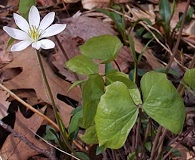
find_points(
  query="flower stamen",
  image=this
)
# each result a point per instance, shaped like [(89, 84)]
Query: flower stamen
[(34, 33)]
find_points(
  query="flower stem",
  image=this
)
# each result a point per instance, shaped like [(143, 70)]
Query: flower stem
[(57, 117)]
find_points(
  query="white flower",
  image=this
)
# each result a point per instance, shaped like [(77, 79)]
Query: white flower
[(33, 32)]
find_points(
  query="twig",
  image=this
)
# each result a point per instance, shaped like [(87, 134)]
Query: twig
[(29, 107), (26, 141)]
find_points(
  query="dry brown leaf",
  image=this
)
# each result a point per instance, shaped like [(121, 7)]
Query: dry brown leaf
[(148, 13), (31, 78), (124, 59), (4, 104), (15, 149), (90, 4), (86, 27)]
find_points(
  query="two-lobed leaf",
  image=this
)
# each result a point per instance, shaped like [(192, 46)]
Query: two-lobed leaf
[(162, 101), (116, 114)]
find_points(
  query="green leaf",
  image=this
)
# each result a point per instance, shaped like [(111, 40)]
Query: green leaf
[(93, 89), (24, 7), (189, 78), (109, 67), (90, 136), (122, 77), (82, 65), (119, 76), (76, 83), (116, 114), (165, 11), (131, 156), (83, 155), (74, 123), (162, 101), (100, 149), (51, 135), (10, 42), (105, 47)]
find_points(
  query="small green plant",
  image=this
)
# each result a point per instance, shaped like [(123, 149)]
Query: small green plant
[(166, 13), (113, 104)]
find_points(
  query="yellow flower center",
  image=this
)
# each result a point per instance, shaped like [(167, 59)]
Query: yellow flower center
[(34, 33)]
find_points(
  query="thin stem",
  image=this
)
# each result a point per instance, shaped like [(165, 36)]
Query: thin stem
[(29, 107), (156, 142), (178, 38), (145, 139), (159, 147), (133, 138), (61, 129), (138, 133)]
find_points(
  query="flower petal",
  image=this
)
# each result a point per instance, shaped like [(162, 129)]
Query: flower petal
[(53, 30), (21, 22), (20, 45), (46, 44), (16, 33), (36, 45), (34, 17), (47, 21)]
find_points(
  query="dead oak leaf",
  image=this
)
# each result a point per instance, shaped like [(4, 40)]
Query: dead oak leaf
[(13, 148), (31, 78)]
